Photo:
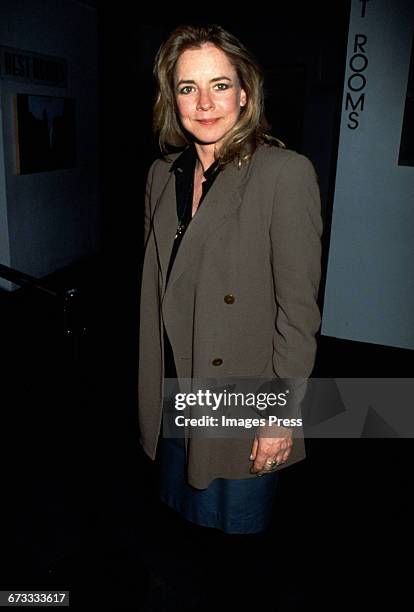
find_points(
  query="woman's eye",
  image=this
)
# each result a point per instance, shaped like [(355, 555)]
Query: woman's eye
[(186, 89)]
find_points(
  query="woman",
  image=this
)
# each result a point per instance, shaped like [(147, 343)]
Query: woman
[(231, 272)]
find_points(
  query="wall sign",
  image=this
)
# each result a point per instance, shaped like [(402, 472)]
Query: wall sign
[(369, 292), (28, 67)]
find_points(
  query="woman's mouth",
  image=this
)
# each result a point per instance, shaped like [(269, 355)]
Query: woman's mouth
[(207, 121)]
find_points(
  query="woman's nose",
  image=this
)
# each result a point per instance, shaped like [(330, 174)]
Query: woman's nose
[(204, 101)]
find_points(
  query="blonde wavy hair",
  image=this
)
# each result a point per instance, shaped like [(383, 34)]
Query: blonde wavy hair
[(252, 127)]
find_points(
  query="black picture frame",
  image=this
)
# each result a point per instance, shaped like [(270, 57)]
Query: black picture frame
[(45, 133)]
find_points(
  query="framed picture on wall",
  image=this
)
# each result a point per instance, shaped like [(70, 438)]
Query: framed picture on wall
[(45, 133), (406, 156)]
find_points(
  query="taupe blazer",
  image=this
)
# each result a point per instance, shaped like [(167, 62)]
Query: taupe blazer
[(256, 235)]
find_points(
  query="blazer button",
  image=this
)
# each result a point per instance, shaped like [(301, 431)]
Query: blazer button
[(229, 299), (217, 362)]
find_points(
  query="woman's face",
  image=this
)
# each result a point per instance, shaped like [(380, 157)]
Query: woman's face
[(208, 93)]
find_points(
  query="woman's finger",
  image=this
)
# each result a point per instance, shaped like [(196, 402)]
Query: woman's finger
[(286, 454), (265, 452), (254, 450)]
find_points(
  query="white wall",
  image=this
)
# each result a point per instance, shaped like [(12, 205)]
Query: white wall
[(50, 219), (369, 294)]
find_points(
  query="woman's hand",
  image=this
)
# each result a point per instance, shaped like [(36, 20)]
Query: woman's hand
[(269, 452)]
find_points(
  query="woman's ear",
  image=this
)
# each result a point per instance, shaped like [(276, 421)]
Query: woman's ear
[(243, 98)]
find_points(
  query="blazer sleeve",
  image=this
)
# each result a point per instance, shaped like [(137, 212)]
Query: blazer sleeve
[(295, 236)]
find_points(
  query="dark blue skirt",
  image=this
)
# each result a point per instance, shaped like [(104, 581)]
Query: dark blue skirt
[(231, 505)]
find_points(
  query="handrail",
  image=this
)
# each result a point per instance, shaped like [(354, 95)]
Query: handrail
[(72, 324), (22, 279)]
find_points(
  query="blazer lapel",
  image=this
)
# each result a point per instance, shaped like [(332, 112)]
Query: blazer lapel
[(220, 202), (165, 223)]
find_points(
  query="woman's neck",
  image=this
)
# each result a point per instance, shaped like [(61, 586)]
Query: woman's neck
[(206, 157)]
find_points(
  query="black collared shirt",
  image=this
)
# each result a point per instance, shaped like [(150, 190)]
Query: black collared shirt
[(184, 167)]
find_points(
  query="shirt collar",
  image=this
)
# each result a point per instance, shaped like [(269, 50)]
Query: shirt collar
[(186, 161)]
